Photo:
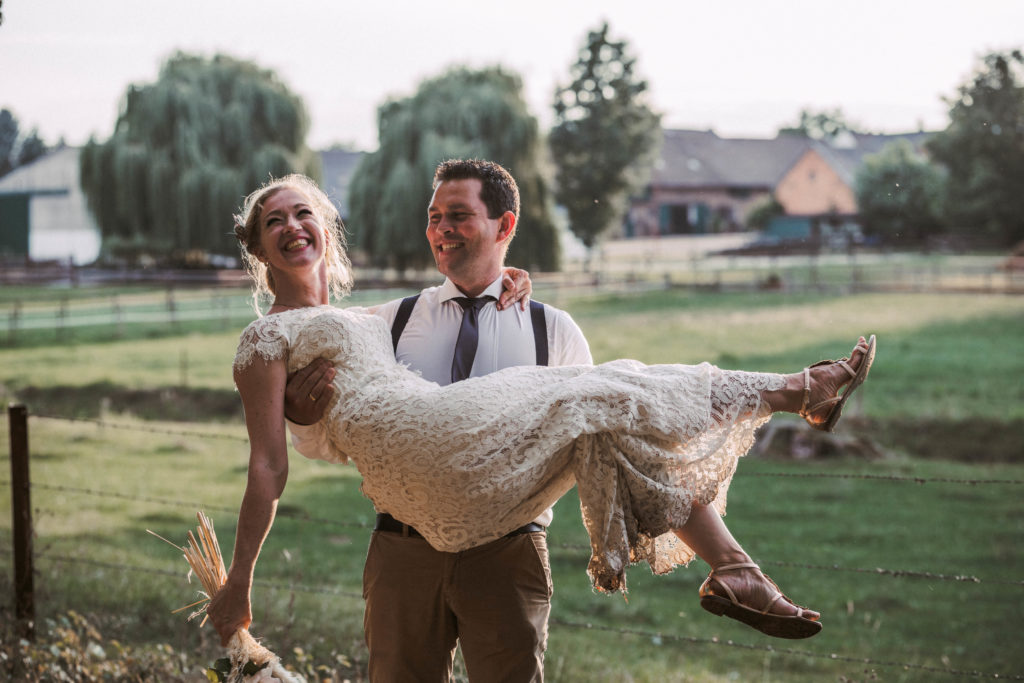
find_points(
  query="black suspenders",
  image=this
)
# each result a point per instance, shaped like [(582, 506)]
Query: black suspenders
[(401, 318), (540, 326), (540, 331)]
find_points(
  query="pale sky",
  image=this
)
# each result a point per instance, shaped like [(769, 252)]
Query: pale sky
[(741, 67)]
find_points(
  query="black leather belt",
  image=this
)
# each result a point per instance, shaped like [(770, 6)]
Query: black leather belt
[(386, 522)]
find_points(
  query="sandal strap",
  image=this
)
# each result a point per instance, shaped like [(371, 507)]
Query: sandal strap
[(705, 589), (805, 409), (807, 391), (739, 565), (732, 596)]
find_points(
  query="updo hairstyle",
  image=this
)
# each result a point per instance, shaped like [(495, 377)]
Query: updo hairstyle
[(248, 225)]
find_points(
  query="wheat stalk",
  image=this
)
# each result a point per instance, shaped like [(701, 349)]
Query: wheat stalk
[(207, 563)]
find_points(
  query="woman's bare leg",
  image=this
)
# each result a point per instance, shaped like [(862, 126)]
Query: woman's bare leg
[(705, 532)]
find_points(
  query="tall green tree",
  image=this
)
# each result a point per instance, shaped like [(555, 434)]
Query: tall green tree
[(899, 194), (983, 148), (604, 138), (187, 149), (463, 113)]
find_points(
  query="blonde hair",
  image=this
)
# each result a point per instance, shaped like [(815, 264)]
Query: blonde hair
[(247, 230)]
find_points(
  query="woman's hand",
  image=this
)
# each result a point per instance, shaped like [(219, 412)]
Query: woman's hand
[(230, 610), (517, 287)]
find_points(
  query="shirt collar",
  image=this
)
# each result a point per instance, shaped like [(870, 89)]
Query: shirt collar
[(450, 291)]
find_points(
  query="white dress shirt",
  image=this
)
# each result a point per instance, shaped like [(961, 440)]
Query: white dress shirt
[(428, 343)]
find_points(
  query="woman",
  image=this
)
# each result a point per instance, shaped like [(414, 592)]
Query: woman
[(651, 448)]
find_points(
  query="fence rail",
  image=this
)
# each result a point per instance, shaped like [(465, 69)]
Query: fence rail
[(815, 274)]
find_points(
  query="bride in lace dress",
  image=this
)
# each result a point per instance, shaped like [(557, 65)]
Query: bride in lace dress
[(651, 449)]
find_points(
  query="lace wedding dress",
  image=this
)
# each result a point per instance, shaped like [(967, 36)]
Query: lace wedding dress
[(467, 463)]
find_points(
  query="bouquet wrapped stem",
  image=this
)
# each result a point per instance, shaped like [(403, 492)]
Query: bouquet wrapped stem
[(247, 660)]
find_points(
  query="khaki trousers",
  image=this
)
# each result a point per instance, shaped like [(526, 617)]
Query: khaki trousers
[(493, 599)]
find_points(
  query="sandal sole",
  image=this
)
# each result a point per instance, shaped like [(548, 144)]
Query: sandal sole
[(862, 374), (775, 625)]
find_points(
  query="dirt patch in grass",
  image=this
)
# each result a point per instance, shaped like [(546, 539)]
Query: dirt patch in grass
[(176, 404), (973, 440)]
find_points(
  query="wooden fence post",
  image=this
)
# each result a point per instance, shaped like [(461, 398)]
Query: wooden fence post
[(21, 518)]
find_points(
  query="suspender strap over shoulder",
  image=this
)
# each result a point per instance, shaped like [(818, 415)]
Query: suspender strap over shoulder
[(540, 326), (540, 331), (401, 318)]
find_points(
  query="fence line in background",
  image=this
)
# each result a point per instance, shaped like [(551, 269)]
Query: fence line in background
[(368, 526), (797, 475), (656, 637), (18, 418), (827, 274)]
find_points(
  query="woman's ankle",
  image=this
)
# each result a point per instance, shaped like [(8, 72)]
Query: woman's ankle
[(789, 398)]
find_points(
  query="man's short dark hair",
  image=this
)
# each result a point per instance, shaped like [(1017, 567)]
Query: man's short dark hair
[(499, 191)]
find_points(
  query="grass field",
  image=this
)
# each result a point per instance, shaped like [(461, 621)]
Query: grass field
[(945, 403)]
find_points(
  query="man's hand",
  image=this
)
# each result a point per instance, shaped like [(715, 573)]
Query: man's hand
[(308, 392), (517, 287)]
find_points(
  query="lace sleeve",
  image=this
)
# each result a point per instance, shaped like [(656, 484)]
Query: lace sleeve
[(265, 338)]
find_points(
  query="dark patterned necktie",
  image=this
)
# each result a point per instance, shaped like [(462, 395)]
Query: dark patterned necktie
[(469, 335)]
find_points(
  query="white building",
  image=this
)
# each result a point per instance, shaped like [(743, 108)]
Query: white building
[(43, 214)]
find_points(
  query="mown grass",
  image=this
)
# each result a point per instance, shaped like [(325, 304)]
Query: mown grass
[(945, 359)]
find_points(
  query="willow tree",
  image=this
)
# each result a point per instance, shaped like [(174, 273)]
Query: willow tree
[(187, 149), (462, 113), (604, 138)]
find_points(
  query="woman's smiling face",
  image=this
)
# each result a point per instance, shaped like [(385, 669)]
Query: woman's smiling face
[(290, 231)]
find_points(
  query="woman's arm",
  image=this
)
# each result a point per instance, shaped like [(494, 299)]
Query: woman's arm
[(261, 386)]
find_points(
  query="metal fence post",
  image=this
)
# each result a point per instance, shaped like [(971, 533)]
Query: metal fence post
[(21, 518)]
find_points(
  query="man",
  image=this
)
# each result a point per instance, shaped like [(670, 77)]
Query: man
[(493, 599)]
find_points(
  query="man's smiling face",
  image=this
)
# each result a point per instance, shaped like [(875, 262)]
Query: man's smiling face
[(468, 246)]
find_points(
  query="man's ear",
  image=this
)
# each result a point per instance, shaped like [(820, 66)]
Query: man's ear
[(508, 226)]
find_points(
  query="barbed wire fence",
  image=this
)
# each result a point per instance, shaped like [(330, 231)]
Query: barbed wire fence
[(22, 602)]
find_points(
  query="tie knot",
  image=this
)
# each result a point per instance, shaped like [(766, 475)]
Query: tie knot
[(469, 302)]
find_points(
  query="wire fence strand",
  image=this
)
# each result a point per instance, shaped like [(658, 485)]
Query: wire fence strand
[(658, 637), (796, 475), (302, 516)]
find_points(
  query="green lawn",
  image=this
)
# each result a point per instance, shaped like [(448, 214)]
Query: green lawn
[(943, 360)]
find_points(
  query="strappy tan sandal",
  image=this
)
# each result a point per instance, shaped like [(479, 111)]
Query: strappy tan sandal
[(857, 378), (777, 625)]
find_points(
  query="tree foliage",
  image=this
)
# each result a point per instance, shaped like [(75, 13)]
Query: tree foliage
[(8, 140), (462, 113), (15, 148), (187, 149), (983, 149), (826, 125), (604, 138), (899, 194), (764, 212)]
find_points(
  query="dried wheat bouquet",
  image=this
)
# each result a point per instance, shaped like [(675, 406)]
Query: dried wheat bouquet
[(247, 660)]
